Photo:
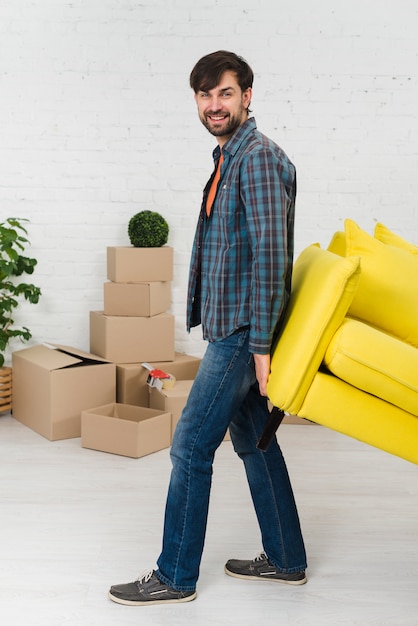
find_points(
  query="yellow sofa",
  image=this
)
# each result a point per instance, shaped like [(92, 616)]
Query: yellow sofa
[(347, 357)]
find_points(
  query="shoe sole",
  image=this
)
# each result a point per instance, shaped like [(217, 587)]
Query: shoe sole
[(150, 602), (302, 581)]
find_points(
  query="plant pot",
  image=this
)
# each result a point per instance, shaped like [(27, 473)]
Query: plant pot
[(5, 389)]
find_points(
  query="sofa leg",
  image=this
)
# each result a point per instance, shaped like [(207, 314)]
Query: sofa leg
[(274, 421)]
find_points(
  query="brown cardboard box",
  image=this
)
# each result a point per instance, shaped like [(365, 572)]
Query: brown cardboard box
[(127, 264), (136, 299), (131, 378), (132, 339), (127, 430), (53, 384), (173, 400)]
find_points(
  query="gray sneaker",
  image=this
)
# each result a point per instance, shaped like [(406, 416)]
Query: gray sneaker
[(260, 568), (148, 589)]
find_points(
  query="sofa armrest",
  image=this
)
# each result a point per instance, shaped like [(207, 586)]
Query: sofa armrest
[(375, 362), (323, 287)]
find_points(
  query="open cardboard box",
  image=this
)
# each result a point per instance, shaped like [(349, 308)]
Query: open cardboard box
[(52, 384), (131, 378), (126, 430)]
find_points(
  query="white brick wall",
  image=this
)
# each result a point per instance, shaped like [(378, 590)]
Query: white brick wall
[(97, 122)]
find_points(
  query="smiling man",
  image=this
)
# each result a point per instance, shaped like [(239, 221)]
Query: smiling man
[(239, 285)]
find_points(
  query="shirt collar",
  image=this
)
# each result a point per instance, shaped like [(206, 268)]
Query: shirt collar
[(233, 144)]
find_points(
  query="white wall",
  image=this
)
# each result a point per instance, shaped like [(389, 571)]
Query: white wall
[(97, 122)]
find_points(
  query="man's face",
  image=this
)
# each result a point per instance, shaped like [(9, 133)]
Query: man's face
[(224, 108)]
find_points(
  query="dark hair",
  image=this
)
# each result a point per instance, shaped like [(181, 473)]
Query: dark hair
[(207, 72)]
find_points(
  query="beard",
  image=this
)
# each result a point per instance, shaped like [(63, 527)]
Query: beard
[(225, 128)]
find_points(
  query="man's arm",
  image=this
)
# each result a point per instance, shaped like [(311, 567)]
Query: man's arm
[(265, 199)]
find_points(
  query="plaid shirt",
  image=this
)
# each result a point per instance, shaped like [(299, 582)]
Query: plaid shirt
[(241, 263)]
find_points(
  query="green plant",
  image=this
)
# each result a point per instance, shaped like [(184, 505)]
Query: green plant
[(13, 264), (148, 229)]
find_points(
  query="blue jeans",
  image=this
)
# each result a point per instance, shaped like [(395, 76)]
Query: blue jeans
[(225, 394)]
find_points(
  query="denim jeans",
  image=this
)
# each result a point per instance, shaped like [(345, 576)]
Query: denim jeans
[(225, 394)]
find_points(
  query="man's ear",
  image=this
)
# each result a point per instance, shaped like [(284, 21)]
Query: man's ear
[(247, 96)]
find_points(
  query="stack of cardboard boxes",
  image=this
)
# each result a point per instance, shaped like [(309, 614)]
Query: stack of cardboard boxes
[(134, 328), (103, 396)]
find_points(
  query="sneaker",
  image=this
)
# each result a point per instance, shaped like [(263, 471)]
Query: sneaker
[(260, 568), (148, 589)]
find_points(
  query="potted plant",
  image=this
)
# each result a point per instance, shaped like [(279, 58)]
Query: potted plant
[(148, 229), (13, 264), (148, 258)]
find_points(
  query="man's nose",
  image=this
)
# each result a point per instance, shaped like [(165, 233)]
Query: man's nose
[(215, 104)]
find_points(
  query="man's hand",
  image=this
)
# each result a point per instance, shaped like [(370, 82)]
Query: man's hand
[(262, 371)]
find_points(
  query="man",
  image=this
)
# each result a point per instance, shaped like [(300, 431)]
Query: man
[(238, 288)]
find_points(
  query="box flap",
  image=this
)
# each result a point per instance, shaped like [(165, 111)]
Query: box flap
[(54, 357), (48, 357), (81, 355)]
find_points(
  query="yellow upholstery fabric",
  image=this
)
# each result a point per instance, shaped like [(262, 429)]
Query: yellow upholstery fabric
[(323, 287), (337, 244), (375, 362), (383, 234), (387, 295), (337, 405)]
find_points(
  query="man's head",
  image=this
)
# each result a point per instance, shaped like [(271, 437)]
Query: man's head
[(222, 82)]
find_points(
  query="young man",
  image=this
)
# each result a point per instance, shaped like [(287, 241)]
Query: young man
[(239, 285)]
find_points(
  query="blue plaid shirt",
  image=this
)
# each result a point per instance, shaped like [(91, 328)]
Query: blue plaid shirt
[(241, 263)]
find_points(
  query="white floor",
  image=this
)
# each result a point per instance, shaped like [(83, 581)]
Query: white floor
[(74, 521)]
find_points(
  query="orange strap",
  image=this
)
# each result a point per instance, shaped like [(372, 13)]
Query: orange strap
[(214, 187)]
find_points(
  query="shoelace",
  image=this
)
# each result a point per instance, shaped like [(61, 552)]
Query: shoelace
[(261, 557), (145, 576)]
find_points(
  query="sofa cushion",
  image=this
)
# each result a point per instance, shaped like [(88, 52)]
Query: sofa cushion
[(375, 362), (337, 245), (387, 296), (383, 234), (323, 286), (335, 404)]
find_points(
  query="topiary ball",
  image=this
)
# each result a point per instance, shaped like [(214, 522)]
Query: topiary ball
[(148, 229)]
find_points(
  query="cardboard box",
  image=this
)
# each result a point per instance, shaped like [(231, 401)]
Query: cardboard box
[(173, 400), (127, 264), (132, 339), (127, 430), (131, 378), (52, 385), (137, 299)]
